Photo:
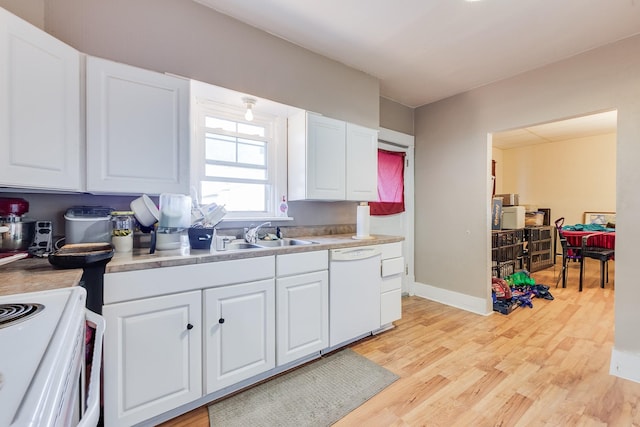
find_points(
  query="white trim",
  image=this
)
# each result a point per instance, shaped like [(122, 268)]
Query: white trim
[(451, 298), (395, 137), (625, 365)]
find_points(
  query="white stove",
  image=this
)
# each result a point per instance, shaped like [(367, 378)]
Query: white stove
[(42, 362)]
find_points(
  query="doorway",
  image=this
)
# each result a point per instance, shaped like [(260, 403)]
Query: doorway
[(401, 224), (567, 166)]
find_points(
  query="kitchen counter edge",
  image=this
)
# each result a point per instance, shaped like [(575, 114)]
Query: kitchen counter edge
[(37, 274), (140, 259)]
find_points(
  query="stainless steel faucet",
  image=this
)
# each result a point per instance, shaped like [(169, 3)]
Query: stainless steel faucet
[(251, 234)]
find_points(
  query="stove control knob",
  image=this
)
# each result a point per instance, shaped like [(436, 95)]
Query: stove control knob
[(221, 321), (189, 326)]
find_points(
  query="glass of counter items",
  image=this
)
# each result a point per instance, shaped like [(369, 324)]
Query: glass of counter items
[(122, 226)]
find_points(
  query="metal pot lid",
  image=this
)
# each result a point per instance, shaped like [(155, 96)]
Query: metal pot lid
[(13, 206)]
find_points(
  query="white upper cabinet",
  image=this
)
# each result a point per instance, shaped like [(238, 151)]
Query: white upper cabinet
[(137, 130), (330, 159), (317, 158), (362, 163), (39, 108)]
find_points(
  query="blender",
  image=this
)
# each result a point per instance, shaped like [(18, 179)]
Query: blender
[(175, 219), (16, 231)]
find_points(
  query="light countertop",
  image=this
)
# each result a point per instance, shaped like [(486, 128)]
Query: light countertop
[(37, 274)]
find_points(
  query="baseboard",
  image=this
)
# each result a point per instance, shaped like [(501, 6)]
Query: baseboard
[(454, 299), (625, 365)]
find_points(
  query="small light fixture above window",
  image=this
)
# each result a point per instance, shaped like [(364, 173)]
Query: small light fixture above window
[(249, 103)]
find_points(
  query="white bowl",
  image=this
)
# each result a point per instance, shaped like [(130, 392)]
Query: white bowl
[(145, 211)]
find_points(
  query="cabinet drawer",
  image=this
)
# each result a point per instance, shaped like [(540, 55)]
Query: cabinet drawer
[(390, 250), (391, 283), (392, 266), (390, 307), (304, 262), (129, 285)]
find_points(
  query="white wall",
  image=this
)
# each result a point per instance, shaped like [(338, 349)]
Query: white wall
[(31, 11), (570, 177), (453, 163), (186, 38)]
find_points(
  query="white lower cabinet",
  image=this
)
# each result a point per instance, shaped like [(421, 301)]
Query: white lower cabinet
[(303, 315), (239, 332), (178, 333), (391, 289), (152, 356), (302, 305)]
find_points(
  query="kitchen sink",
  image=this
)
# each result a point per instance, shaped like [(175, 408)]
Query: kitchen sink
[(284, 242), (235, 245)]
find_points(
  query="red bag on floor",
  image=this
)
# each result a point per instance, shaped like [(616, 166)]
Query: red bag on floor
[(501, 288)]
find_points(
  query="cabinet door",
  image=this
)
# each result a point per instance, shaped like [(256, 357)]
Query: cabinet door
[(391, 289), (152, 356), (325, 158), (302, 303), (239, 332), (137, 130), (362, 163), (39, 108)]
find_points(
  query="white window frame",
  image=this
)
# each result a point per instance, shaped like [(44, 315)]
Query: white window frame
[(276, 154)]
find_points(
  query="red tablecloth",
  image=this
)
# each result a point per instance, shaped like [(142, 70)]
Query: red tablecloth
[(601, 239)]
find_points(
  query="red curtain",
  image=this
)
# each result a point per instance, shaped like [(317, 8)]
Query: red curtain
[(390, 184)]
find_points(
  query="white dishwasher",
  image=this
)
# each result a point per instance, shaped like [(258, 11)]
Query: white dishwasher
[(354, 293)]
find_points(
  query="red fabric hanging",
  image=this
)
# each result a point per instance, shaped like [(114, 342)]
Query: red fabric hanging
[(390, 184)]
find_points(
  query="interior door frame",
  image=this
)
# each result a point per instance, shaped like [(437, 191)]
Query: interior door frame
[(406, 143)]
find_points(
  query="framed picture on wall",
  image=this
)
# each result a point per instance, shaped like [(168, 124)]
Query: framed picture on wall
[(600, 218)]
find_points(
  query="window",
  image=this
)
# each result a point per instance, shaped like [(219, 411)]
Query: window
[(241, 165)]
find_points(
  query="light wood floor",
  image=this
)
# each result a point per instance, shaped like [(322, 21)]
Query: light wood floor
[(545, 366)]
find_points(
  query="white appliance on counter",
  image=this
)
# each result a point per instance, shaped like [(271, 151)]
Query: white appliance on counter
[(354, 293), (42, 362)]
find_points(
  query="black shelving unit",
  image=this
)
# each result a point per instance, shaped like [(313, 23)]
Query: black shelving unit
[(539, 248), (507, 252)]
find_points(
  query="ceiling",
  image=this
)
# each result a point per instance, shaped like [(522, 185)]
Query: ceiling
[(426, 50), (578, 127)]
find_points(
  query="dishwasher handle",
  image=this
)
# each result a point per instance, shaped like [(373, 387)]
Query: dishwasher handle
[(353, 254)]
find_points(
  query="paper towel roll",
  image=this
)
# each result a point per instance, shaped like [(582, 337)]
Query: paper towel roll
[(362, 222)]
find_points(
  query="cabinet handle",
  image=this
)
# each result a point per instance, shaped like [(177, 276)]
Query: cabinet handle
[(221, 320), (189, 326)]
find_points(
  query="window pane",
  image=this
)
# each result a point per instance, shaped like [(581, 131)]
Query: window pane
[(235, 196), (252, 154), (216, 123), (248, 129), (221, 148), (220, 171)]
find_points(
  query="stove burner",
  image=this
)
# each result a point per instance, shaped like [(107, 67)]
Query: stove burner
[(14, 313)]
